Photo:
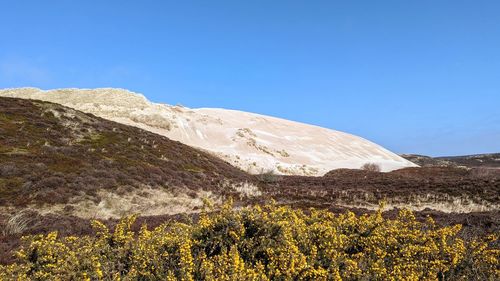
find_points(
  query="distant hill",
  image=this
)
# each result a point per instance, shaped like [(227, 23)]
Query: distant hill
[(54, 159), (253, 142), (491, 160)]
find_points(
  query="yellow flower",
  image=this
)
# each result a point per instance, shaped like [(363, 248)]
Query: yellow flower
[(262, 243)]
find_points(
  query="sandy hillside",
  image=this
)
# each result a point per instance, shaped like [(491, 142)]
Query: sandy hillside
[(253, 142)]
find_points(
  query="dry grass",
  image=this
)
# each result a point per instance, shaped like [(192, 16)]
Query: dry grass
[(144, 202), (20, 222), (244, 189), (453, 205)]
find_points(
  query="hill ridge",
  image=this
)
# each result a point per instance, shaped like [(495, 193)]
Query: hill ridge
[(57, 159)]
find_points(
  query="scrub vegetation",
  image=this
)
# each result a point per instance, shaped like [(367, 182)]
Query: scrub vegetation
[(262, 243), (66, 179)]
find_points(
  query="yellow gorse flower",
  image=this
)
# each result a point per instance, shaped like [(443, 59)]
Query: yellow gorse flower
[(262, 243)]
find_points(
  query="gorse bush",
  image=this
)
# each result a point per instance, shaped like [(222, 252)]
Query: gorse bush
[(262, 243)]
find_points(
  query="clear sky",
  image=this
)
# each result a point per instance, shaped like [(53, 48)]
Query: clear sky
[(414, 76)]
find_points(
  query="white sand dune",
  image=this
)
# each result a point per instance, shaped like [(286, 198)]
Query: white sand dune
[(253, 142)]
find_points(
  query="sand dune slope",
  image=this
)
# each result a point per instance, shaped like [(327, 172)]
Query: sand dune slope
[(253, 142)]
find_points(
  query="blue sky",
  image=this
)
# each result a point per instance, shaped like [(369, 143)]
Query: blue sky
[(413, 76)]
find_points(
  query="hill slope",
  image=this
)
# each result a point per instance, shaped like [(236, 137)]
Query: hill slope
[(59, 167), (253, 142), (56, 159), (490, 160)]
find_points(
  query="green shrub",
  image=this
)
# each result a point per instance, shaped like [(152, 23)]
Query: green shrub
[(262, 243)]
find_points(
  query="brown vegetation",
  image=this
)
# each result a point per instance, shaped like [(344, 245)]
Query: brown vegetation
[(489, 161), (49, 154), (439, 184), (371, 167)]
